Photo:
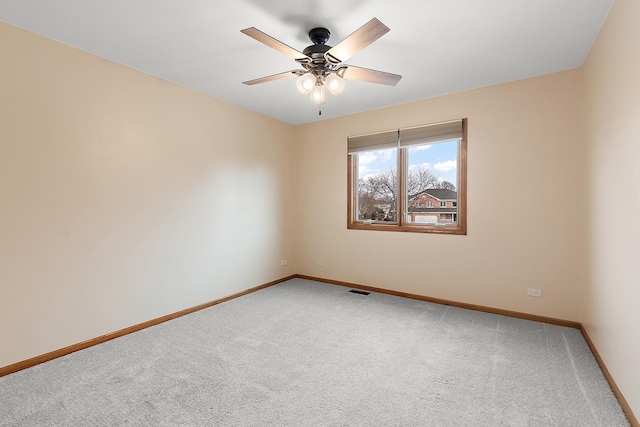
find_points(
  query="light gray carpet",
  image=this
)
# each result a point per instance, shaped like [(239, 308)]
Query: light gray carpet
[(303, 353)]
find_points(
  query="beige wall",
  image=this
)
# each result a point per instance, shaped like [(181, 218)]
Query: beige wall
[(523, 150), (611, 293), (125, 197)]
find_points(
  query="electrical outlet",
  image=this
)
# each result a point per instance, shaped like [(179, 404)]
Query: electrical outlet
[(283, 262), (319, 262), (534, 292)]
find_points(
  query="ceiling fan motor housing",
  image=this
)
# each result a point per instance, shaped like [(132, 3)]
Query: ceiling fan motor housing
[(319, 36)]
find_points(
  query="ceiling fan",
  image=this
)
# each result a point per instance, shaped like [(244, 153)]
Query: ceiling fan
[(323, 65)]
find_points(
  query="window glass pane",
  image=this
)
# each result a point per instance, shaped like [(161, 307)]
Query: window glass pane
[(432, 182), (377, 185)]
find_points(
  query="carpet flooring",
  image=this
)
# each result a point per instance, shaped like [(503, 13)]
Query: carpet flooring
[(303, 353)]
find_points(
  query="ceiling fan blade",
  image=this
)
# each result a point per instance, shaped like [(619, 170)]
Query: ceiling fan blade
[(276, 44), (371, 76), (358, 40), (274, 77)]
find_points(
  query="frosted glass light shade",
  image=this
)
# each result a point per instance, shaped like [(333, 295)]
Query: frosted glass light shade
[(318, 95), (335, 83), (306, 83)]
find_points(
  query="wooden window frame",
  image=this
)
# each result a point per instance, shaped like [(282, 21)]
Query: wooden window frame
[(401, 225)]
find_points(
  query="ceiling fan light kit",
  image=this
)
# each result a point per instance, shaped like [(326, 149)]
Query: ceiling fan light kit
[(322, 65), (335, 83), (306, 83), (318, 94)]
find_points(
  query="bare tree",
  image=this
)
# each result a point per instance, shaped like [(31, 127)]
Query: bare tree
[(367, 204), (446, 185), (377, 194), (420, 179)]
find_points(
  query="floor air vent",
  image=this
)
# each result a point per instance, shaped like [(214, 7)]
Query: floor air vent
[(356, 291)]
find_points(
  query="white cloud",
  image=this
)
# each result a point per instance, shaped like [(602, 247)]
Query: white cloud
[(447, 166), (363, 170), (385, 154), (426, 165), (366, 158), (421, 147), (369, 175)]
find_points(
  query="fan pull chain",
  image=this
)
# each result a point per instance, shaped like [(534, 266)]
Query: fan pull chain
[(319, 110)]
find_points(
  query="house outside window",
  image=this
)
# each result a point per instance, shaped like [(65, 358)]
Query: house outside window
[(398, 177)]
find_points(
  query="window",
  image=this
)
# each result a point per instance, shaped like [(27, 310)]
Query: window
[(393, 174)]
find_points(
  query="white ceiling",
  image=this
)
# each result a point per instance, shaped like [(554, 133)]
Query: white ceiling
[(438, 46)]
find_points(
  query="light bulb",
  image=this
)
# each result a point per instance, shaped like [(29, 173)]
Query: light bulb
[(306, 82), (318, 94), (334, 83)]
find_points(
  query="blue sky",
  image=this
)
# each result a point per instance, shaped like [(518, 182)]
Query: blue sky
[(440, 159)]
